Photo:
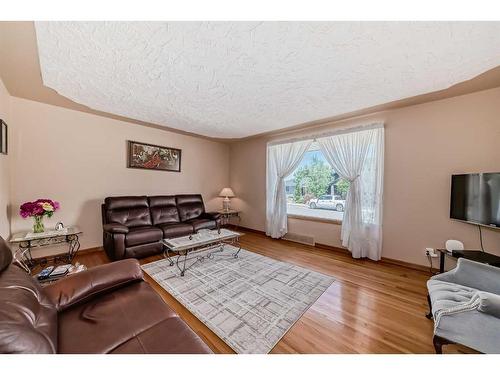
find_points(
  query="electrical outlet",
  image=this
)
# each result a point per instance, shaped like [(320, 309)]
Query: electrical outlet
[(429, 251)]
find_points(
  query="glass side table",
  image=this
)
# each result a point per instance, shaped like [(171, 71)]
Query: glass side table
[(28, 241), (228, 215)]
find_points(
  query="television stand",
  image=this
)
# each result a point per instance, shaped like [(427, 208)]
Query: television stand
[(475, 255)]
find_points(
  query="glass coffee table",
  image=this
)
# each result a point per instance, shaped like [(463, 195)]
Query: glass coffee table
[(188, 250)]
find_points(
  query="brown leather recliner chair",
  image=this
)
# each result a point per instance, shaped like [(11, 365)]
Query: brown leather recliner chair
[(106, 309), (134, 226)]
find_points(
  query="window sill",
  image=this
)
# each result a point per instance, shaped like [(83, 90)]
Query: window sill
[(317, 219)]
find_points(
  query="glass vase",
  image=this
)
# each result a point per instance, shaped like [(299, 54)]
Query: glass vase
[(38, 226)]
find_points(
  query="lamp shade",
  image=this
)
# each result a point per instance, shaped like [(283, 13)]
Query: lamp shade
[(226, 192)]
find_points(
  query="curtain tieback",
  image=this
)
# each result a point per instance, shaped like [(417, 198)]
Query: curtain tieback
[(353, 179)]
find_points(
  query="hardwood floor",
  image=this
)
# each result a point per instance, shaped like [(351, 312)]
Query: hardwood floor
[(372, 307)]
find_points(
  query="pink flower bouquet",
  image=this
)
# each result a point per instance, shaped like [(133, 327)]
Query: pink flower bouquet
[(38, 209)]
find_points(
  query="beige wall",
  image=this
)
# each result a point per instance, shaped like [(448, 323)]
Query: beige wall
[(424, 145), (5, 167), (78, 159), (5, 111)]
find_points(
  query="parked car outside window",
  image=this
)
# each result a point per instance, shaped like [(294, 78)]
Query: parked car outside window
[(328, 202)]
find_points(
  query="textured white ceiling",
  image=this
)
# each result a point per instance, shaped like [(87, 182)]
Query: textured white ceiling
[(236, 79)]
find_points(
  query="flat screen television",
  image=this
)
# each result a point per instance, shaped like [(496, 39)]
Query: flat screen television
[(475, 198)]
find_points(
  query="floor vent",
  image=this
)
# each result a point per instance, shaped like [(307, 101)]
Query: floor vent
[(300, 238)]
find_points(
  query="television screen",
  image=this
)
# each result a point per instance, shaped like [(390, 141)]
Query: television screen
[(476, 198)]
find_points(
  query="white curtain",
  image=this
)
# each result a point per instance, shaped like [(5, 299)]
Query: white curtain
[(282, 159), (358, 157)]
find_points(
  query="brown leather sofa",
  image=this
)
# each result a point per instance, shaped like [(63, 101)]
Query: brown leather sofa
[(133, 226), (106, 309)]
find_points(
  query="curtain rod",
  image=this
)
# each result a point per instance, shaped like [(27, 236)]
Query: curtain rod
[(353, 129)]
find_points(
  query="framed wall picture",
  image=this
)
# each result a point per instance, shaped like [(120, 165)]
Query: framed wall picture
[(147, 156), (3, 138)]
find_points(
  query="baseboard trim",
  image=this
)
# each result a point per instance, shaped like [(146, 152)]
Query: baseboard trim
[(413, 266), (236, 227), (316, 219), (396, 262), (333, 248), (90, 250)]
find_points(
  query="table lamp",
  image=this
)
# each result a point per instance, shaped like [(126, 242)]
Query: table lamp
[(226, 203)]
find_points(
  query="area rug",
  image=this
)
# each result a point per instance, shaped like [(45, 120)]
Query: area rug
[(250, 302)]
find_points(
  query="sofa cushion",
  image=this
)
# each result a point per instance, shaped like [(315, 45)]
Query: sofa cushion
[(133, 217), (108, 321), (28, 319), (163, 209), (489, 303), (171, 336), (143, 235), (126, 202), (176, 230), (129, 211), (202, 224), (446, 295), (144, 250), (190, 206)]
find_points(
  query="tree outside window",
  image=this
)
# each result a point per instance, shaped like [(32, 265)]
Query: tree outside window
[(314, 189)]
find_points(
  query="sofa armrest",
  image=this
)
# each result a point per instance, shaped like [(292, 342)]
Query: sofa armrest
[(448, 276), (115, 228), (489, 303), (88, 284), (474, 275), (212, 215)]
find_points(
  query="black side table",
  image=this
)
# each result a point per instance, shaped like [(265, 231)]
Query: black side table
[(475, 255)]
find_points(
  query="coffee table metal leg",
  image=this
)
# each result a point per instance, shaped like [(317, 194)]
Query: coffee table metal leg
[(211, 254), (167, 256), (183, 269), (238, 244)]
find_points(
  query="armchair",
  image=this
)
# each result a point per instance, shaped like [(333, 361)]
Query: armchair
[(465, 305)]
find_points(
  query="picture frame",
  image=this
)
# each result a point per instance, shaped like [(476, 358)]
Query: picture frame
[(4, 141), (153, 157)]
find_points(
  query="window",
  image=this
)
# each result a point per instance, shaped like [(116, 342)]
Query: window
[(314, 189)]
